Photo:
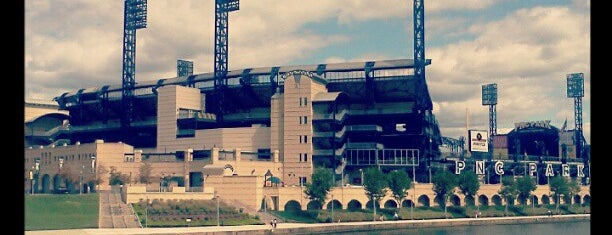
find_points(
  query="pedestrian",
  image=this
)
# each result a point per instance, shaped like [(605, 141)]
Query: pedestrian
[(274, 222)]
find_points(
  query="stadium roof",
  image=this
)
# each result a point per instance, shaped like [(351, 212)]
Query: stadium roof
[(318, 69)]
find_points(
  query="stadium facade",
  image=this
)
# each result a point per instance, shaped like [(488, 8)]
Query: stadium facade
[(279, 124)]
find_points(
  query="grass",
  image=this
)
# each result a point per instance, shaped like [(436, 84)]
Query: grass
[(422, 213), (66, 211), (174, 213)]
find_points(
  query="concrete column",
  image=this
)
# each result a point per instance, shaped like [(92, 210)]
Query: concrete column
[(138, 155), (188, 159), (275, 155), (237, 154), (215, 155)]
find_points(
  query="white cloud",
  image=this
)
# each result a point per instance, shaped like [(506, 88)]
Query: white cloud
[(528, 54)]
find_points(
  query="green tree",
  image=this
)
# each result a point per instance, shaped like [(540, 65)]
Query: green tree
[(508, 190), (320, 186), (101, 172), (559, 186), (574, 189), (444, 183), (468, 183), (399, 183), (525, 186), (144, 173), (116, 177), (375, 185)]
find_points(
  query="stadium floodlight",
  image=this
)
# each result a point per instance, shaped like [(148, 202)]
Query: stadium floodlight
[(575, 85), (184, 68), (489, 94)]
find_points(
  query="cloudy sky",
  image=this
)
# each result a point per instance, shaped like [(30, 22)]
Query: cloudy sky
[(526, 47)]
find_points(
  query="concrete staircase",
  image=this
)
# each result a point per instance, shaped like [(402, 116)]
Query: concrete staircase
[(114, 213)]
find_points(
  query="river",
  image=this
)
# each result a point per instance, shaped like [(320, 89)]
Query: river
[(574, 228)]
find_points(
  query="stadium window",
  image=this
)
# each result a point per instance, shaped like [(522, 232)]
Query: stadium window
[(305, 101), (305, 119), (302, 181), (305, 157)]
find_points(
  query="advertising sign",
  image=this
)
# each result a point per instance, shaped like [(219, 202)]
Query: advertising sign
[(479, 141)]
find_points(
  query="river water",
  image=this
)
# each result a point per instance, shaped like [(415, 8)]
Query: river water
[(574, 228)]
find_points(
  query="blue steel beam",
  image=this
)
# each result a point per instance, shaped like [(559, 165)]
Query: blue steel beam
[(222, 8), (134, 17)]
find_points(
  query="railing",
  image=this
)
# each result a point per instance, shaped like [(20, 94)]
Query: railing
[(402, 157), (135, 214)]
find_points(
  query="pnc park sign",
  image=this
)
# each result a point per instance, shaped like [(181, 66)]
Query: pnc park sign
[(533, 168)]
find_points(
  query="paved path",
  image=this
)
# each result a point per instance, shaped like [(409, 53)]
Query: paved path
[(301, 228)]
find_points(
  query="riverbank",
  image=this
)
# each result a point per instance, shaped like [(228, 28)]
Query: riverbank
[(328, 228)]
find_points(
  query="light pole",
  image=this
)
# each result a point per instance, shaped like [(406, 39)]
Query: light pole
[(147, 212), (413, 190), (332, 207), (361, 171), (31, 176), (81, 180), (217, 199), (374, 205)]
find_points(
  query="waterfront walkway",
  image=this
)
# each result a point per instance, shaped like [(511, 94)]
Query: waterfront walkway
[(302, 228)]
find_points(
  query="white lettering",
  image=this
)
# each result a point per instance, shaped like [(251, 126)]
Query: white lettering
[(580, 170), (499, 167), (459, 165), (565, 170), (532, 168), (480, 167), (549, 170)]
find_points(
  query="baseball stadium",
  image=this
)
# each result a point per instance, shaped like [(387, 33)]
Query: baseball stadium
[(254, 136)]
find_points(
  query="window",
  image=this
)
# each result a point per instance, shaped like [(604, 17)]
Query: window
[(303, 157), (303, 120), (303, 101), (303, 139), (302, 181)]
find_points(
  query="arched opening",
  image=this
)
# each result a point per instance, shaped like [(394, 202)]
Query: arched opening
[(336, 203), (455, 200), (577, 199), (522, 200), (354, 205), (369, 205), (293, 206), (390, 204), (534, 200), (483, 200), (545, 200), (469, 201), (407, 203), (314, 205), (510, 200), (228, 170), (586, 200), (497, 200), (57, 182), (46, 184), (423, 201)]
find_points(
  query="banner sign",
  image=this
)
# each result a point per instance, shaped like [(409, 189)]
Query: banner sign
[(479, 141)]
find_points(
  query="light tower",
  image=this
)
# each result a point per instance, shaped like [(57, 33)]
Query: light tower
[(184, 68), (134, 17), (575, 89), (222, 8), (489, 97)]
